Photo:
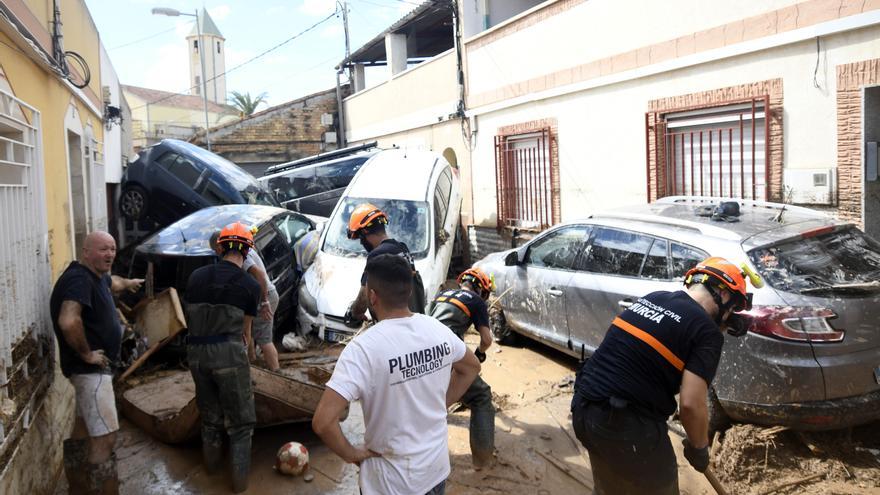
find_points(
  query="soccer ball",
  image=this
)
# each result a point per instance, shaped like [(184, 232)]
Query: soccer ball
[(292, 459)]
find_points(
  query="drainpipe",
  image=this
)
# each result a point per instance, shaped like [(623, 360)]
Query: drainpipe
[(340, 130)]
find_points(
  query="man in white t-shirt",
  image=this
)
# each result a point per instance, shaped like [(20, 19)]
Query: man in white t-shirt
[(406, 370)]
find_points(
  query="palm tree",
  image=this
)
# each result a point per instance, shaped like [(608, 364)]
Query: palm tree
[(245, 104)]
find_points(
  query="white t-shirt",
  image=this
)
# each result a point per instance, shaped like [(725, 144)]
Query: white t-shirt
[(400, 370), (253, 259)]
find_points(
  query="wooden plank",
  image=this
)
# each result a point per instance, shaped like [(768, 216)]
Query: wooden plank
[(178, 313), (164, 407), (159, 317), (298, 394)]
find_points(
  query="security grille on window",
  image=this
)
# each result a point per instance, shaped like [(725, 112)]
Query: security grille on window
[(525, 176), (719, 151)]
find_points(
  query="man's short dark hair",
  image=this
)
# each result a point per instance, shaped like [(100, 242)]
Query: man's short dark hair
[(391, 277)]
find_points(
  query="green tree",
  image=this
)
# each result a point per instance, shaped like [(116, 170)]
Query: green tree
[(246, 104)]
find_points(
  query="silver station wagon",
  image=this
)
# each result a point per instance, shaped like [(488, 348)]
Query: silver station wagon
[(811, 358)]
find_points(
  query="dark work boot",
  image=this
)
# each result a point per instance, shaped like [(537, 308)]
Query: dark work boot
[(240, 451), (76, 452), (212, 450), (103, 478), (482, 437)]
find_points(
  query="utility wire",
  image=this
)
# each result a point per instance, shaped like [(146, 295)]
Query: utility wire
[(144, 39), (279, 45)]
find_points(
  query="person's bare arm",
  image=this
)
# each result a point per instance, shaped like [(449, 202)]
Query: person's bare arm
[(246, 335), (359, 306), (262, 279), (325, 424), (485, 338), (74, 332), (119, 284), (464, 371), (693, 410)]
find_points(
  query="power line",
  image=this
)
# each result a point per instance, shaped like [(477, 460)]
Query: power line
[(144, 39), (279, 45)]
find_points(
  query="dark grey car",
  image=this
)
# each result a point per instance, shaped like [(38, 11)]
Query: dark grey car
[(811, 359)]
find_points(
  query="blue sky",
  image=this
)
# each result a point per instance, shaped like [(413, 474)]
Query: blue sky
[(303, 66)]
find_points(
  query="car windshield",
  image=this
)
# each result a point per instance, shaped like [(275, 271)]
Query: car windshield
[(831, 260), (407, 222)]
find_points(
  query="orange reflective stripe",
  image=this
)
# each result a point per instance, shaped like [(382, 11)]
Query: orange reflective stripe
[(455, 302), (651, 341)]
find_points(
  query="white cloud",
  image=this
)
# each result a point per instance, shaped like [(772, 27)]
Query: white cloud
[(276, 10), (332, 31), (220, 12), (317, 7), (182, 27), (235, 56), (169, 70)]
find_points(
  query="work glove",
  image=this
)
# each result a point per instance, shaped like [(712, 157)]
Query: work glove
[(699, 458), (481, 356)]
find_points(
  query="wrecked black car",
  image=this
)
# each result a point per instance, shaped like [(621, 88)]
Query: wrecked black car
[(168, 257), (173, 178)]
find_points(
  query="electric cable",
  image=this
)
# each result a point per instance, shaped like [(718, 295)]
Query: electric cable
[(160, 33)]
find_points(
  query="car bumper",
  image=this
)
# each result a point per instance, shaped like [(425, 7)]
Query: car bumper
[(327, 328), (812, 416)]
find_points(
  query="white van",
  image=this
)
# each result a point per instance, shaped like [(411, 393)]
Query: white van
[(419, 191)]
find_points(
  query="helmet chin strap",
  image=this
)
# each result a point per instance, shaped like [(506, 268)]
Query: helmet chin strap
[(722, 307)]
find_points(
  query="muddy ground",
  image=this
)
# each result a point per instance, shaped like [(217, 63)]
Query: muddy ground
[(537, 452)]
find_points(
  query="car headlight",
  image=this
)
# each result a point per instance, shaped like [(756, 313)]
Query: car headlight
[(307, 302)]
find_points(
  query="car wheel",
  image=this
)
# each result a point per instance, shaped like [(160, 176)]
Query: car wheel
[(501, 331), (133, 202), (718, 419)]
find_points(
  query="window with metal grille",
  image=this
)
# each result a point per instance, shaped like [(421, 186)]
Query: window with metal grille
[(525, 178), (717, 151)]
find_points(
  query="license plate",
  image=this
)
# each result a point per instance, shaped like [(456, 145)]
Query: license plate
[(331, 336), (877, 375)]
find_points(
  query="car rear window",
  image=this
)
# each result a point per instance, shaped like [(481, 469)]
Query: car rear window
[(842, 257)]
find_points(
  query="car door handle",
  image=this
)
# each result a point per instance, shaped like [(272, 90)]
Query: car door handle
[(625, 303), (554, 292)]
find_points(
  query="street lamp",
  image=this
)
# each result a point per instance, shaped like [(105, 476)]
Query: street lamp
[(175, 13)]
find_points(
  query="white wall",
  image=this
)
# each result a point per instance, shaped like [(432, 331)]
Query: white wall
[(602, 130), (112, 138)]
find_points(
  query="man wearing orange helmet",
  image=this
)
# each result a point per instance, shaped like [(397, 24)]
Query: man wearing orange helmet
[(221, 303), (367, 224), (666, 343), (458, 309)]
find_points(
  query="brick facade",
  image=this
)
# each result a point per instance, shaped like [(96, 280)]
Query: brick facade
[(278, 134), (851, 78), (537, 126), (654, 127)]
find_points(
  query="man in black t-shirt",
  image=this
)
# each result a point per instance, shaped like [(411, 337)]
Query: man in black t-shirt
[(367, 224), (89, 336), (221, 302), (666, 343), (458, 309)]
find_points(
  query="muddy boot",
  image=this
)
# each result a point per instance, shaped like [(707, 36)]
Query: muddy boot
[(103, 478), (75, 454), (482, 437), (240, 451), (212, 450)]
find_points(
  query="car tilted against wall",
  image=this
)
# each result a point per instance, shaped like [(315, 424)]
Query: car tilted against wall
[(811, 358), (177, 250), (173, 178), (419, 192)]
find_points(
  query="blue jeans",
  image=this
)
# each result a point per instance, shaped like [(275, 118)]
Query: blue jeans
[(440, 489)]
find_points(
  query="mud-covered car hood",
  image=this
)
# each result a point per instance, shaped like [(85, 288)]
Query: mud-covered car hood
[(334, 281)]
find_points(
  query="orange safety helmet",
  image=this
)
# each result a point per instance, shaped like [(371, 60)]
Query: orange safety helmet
[(364, 216), (730, 276), (479, 280), (237, 236)]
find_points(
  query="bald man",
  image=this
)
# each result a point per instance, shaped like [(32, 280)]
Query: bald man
[(89, 337)]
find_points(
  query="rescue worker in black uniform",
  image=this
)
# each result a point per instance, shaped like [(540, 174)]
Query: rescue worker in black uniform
[(458, 309), (367, 224), (666, 343), (221, 302)]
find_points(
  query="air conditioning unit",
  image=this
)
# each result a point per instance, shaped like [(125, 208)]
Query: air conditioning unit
[(811, 186)]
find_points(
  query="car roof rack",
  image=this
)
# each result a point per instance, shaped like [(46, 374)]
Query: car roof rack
[(744, 202), (321, 157), (707, 230)]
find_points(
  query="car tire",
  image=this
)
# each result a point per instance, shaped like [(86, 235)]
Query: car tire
[(501, 331), (718, 419), (133, 203)]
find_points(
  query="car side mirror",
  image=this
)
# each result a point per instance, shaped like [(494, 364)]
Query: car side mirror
[(514, 258), (442, 237), (319, 227)]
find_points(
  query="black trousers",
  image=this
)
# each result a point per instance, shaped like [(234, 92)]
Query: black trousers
[(630, 454)]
